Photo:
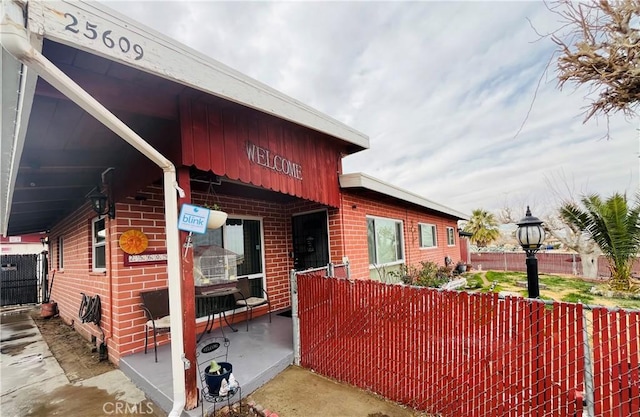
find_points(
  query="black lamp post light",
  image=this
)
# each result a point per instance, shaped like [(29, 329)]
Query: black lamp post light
[(530, 235)]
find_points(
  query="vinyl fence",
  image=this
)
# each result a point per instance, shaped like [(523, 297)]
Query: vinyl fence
[(460, 354)]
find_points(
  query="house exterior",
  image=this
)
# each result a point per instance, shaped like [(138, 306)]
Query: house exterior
[(22, 245), (273, 164)]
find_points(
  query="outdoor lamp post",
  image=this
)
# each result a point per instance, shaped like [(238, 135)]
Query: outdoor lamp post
[(530, 235)]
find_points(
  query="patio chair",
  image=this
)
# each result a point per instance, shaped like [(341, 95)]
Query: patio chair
[(156, 307), (244, 299), (216, 348)]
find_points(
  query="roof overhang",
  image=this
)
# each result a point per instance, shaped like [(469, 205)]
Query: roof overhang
[(366, 182), (166, 58), (52, 152), (18, 88)]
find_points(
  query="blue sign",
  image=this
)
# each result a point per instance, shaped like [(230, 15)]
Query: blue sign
[(193, 219)]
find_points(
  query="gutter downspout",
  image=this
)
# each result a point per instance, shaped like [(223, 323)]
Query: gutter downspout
[(14, 39)]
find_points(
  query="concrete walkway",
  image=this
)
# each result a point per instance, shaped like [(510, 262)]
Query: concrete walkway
[(32, 383)]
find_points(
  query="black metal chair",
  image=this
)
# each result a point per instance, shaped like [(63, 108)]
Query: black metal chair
[(209, 349), (156, 307), (244, 299)]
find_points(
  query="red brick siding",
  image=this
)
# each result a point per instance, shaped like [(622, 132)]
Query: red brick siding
[(127, 335), (123, 320), (354, 219), (77, 276)]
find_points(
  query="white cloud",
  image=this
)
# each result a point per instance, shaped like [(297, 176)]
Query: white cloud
[(441, 88)]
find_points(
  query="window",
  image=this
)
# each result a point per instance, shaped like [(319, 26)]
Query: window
[(451, 239), (99, 241), (385, 241), (234, 250), (427, 235), (60, 252)]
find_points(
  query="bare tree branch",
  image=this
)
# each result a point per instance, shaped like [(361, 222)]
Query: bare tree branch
[(601, 50)]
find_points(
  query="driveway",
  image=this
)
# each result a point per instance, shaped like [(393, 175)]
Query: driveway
[(33, 383)]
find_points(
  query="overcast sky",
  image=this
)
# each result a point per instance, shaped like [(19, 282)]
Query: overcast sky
[(440, 88)]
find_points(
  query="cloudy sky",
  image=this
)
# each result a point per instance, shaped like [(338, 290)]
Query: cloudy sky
[(440, 88)]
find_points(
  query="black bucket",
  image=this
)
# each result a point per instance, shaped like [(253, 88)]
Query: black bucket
[(214, 381)]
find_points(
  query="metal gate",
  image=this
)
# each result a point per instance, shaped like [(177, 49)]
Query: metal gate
[(19, 277)]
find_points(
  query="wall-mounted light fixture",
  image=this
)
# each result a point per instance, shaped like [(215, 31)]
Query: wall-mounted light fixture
[(101, 202), (44, 240)]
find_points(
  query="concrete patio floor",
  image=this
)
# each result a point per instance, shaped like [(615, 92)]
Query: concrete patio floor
[(257, 356)]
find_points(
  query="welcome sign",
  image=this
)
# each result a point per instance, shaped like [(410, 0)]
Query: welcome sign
[(278, 163)]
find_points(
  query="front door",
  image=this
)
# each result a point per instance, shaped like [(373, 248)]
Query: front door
[(310, 240)]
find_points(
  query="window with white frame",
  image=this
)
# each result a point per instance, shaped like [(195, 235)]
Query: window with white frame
[(60, 252), (427, 235), (98, 244), (451, 239), (385, 241)]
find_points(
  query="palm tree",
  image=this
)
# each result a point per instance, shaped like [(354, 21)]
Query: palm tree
[(484, 227), (615, 227)]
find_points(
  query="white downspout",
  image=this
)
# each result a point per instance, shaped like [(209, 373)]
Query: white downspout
[(14, 39)]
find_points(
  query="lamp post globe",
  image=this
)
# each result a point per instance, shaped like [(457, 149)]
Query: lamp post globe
[(530, 235)]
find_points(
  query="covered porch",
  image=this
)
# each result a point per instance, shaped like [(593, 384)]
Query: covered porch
[(257, 355)]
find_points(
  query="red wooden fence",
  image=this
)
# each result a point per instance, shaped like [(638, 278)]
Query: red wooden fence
[(459, 354)]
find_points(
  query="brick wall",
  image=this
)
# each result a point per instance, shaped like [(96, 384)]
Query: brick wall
[(356, 208), (77, 276), (146, 215), (123, 320)]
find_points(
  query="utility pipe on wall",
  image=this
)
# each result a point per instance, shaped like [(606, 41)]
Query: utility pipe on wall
[(15, 40)]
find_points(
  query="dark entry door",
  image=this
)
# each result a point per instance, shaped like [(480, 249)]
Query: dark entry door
[(310, 240), (18, 279)]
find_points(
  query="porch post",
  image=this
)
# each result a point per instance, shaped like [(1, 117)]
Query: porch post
[(188, 306), (293, 281)]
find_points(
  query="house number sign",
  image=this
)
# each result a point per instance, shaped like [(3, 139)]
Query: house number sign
[(93, 32)]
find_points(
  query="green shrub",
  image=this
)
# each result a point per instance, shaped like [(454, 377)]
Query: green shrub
[(405, 274), (431, 275)]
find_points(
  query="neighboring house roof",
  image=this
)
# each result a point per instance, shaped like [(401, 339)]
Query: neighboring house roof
[(364, 181)]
